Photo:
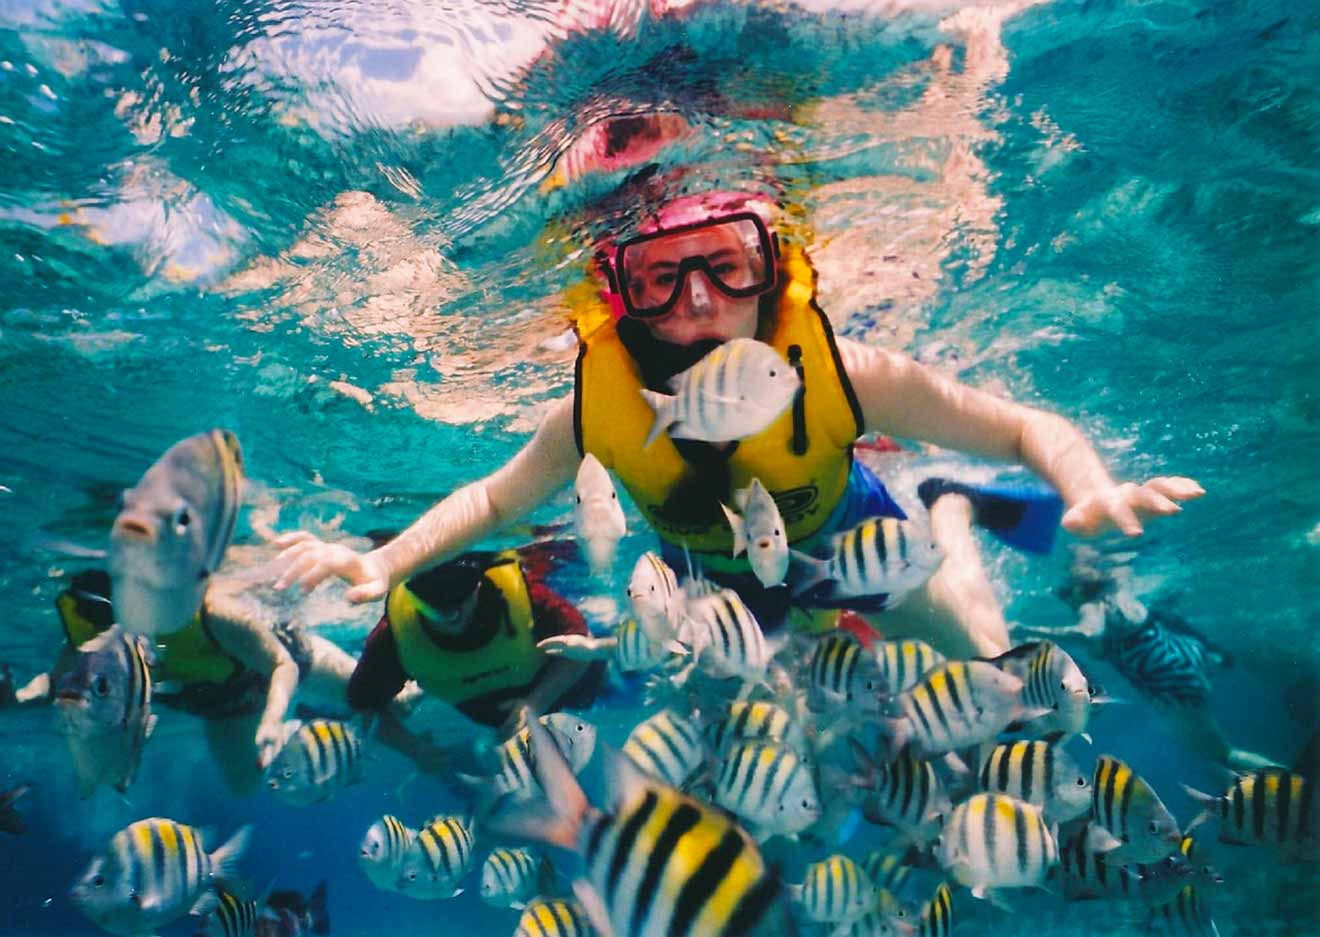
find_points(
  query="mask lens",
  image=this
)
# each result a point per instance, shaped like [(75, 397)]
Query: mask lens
[(734, 253)]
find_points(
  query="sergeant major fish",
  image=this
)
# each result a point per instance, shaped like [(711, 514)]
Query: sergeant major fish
[(510, 878), (904, 662), (1039, 773), (759, 529), (906, 794), (437, 859), (597, 515), (842, 675), (280, 914), (1053, 684), (172, 532), (656, 600), (1129, 821), (554, 917), (735, 391), (993, 842), (659, 862), (725, 638), (880, 556), (515, 758), (752, 720), (771, 787), (956, 705), (104, 701), (153, 872), (317, 759), (1090, 874), (834, 890), (383, 850), (1269, 807), (629, 647), (667, 747)]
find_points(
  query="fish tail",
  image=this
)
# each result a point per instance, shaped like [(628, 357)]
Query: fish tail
[(224, 861), (1210, 803), (738, 527), (811, 571), (662, 404)]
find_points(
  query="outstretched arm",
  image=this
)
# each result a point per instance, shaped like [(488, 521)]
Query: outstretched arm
[(247, 635), (903, 398), (541, 468)]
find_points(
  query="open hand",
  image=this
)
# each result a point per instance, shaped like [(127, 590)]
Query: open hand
[(1124, 505), (311, 560)]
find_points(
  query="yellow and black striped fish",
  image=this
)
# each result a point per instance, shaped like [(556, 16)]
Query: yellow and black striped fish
[(1091, 874), (1039, 773), (634, 651), (383, 850), (955, 705), (993, 841), (888, 869), (843, 675), (725, 638), (880, 556), (512, 877), (1187, 915), (1140, 827), (667, 747), (657, 602), (903, 662), (159, 858), (1054, 685), (576, 739), (318, 758), (769, 786), (439, 857), (553, 917), (937, 915), (760, 720), (660, 862), (1269, 807), (835, 890), (906, 794)]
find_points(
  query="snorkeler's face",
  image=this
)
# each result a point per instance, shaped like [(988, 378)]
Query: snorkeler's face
[(703, 310)]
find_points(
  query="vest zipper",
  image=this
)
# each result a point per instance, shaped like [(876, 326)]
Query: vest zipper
[(799, 443)]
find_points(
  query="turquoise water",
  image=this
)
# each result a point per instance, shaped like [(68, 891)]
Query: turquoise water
[(327, 228)]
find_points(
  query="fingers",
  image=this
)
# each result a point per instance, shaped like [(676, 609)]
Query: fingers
[(367, 592), (300, 564), (1152, 502), (1175, 487), (293, 537)]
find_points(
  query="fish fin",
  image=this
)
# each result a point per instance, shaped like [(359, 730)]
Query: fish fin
[(455, 893), (662, 404), (1207, 800), (166, 687), (810, 572), (1099, 839), (738, 527), (591, 903), (224, 861), (1086, 736), (554, 818), (149, 726), (206, 902), (794, 891)]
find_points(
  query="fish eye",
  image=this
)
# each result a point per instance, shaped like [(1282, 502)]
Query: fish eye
[(1063, 685), (412, 876), (1055, 706), (287, 773), (98, 881), (980, 710), (1081, 781), (579, 498), (1153, 827), (101, 686), (773, 372), (1090, 689), (182, 519)]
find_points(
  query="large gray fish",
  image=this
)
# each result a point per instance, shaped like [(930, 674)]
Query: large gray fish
[(734, 392), (104, 701), (992, 842), (1054, 684), (438, 859), (153, 872), (172, 532), (1130, 822)]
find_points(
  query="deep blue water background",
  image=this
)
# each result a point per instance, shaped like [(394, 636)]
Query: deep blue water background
[(211, 213)]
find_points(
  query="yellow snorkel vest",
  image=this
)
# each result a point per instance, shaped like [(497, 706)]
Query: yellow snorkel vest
[(187, 656), (803, 458), (489, 656)]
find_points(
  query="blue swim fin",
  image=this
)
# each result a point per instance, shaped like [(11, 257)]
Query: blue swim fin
[(1024, 515)]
